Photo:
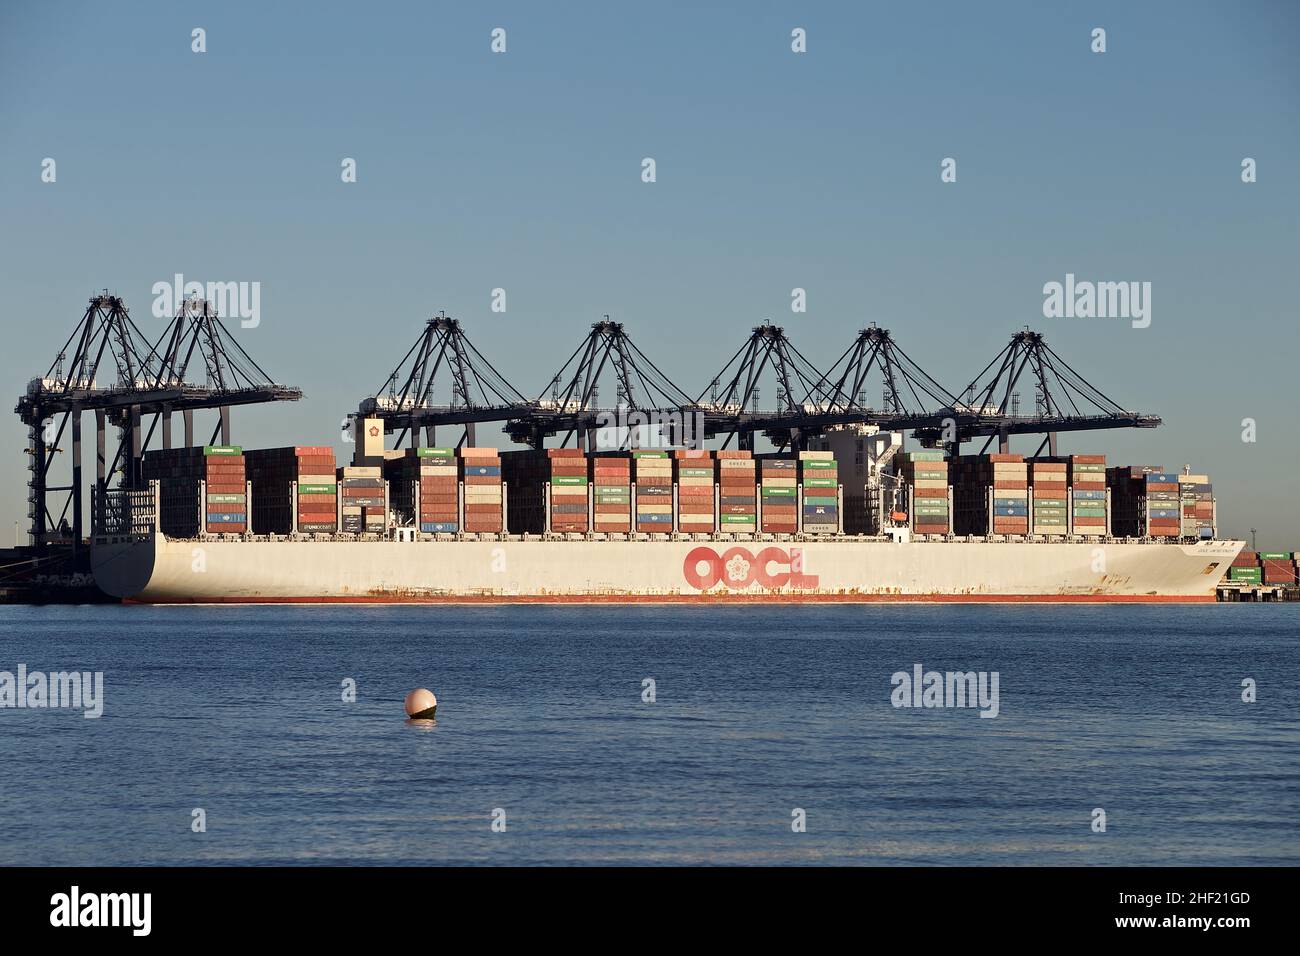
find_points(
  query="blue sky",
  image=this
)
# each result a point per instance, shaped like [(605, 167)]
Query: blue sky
[(775, 170)]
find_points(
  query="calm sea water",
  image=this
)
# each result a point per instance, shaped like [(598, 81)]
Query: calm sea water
[(759, 711)]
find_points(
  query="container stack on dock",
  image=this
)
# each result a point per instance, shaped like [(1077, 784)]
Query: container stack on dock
[(1049, 484), (736, 492), (1196, 499), (273, 471), (654, 491), (778, 486), (925, 474), (611, 478), (1007, 477), (1245, 569), (179, 472), (695, 499), (820, 477), (480, 475), (1277, 567), (1088, 494), (361, 488)]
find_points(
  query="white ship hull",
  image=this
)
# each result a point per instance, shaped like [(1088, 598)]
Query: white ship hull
[(849, 570)]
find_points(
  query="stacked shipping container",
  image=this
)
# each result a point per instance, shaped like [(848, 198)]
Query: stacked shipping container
[(273, 472), (654, 491), (179, 472), (1049, 484), (1162, 505), (1128, 498), (695, 480), (737, 492), (1196, 499), (433, 473), (1088, 494), (480, 475), (778, 486), (1006, 477), (362, 499), (820, 479), (1277, 567), (611, 477), (565, 470), (1245, 569), (925, 474)]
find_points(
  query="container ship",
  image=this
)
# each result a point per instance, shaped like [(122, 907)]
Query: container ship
[(852, 518)]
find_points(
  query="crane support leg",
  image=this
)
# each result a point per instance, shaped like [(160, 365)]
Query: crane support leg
[(76, 479)]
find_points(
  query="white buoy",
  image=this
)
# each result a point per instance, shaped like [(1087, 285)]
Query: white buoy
[(421, 704)]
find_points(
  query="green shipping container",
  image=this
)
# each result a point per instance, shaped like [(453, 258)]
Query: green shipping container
[(222, 450), (568, 480), (317, 489), (435, 453)]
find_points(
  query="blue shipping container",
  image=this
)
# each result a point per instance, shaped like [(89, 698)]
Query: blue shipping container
[(433, 528)]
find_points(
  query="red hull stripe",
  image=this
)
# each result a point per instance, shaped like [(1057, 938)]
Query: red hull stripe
[(711, 598)]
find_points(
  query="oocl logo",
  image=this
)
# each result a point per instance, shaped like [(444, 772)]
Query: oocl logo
[(738, 568)]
